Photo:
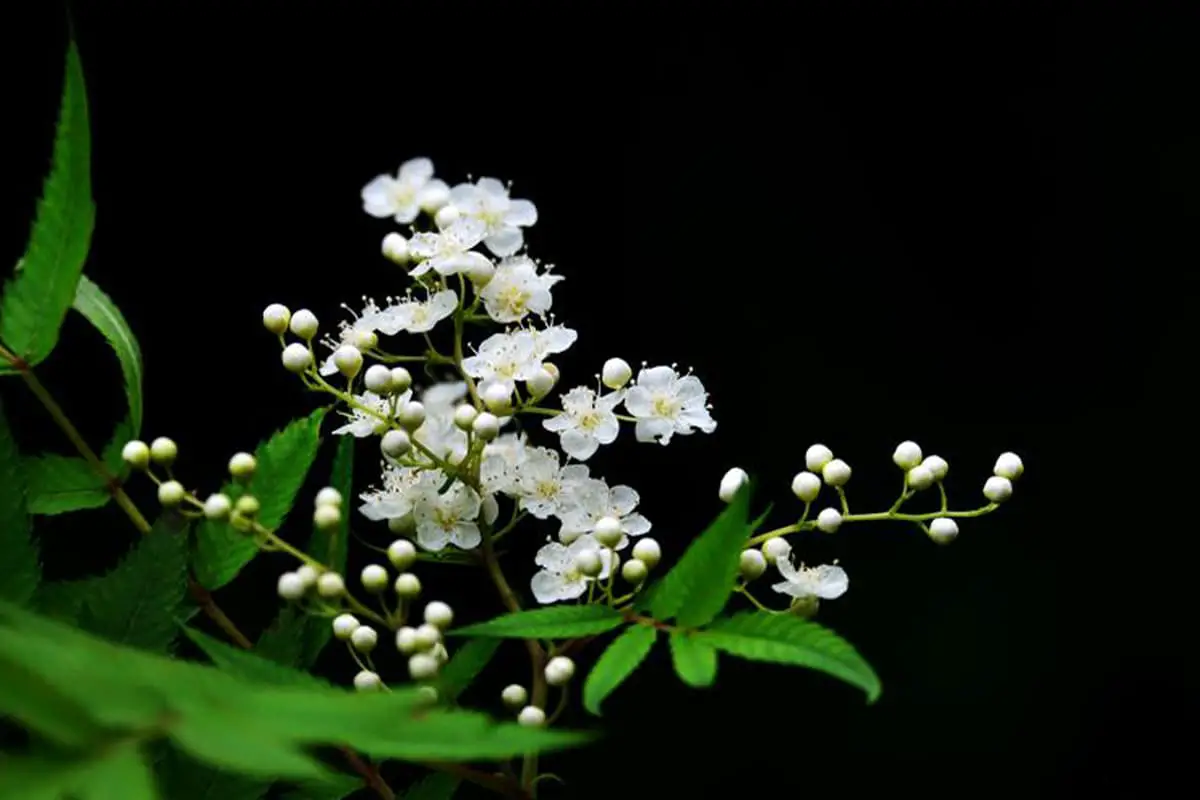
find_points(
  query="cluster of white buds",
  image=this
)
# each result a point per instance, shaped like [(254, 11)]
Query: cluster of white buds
[(423, 644)]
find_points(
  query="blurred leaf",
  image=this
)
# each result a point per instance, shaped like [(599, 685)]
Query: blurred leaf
[(616, 663), (554, 622), (184, 778), (464, 666), (36, 299), (63, 600), (247, 665), (336, 788), (21, 572), (117, 772), (434, 786)]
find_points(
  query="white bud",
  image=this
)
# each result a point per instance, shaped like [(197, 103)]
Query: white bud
[(439, 614), (378, 379), (402, 554), (514, 695), (486, 426), (647, 551), (296, 357), (497, 397), (367, 681), (163, 451), (411, 414), (464, 415), (608, 531), (427, 693), (531, 717), (327, 517), (907, 455), (806, 486), (407, 585), (634, 571), (136, 454), (401, 379), (307, 574), (817, 456), (247, 505), (753, 563), (364, 638), (406, 640), (775, 548), (489, 508), (433, 196), (540, 384), (731, 483), (997, 489), (171, 493), (559, 670), (936, 465), (348, 359), (242, 466), (422, 666), (394, 248), (344, 626), (291, 586), (616, 373), (217, 506), (364, 340), (427, 636), (943, 530), (276, 317), (395, 443), (480, 272), (1009, 465), (404, 525), (920, 477), (588, 563), (330, 585), (829, 520), (328, 496), (552, 369), (304, 324), (836, 472), (374, 578), (446, 216)]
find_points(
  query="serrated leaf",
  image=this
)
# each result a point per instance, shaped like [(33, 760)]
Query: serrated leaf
[(36, 299), (99, 309), (249, 666), (283, 641), (59, 484), (121, 773), (434, 786), (699, 585), (22, 571), (695, 660), (219, 734), (116, 773), (63, 600), (785, 639), (137, 603), (184, 778), (465, 664), (555, 622), (283, 463), (624, 655)]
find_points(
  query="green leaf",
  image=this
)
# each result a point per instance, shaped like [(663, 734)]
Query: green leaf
[(105, 317), (63, 600), (36, 299), (27, 698), (785, 639), (617, 663), (283, 462), (222, 735), (464, 666), (336, 788), (248, 665), (554, 622), (695, 660), (115, 773), (137, 603), (699, 585), (184, 778), (58, 484), (434, 786), (283, 641), (21, 572)]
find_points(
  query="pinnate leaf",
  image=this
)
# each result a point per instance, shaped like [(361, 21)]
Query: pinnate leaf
[(58, 484), (554, 622), (247, 665), (114, 773), (695, 660), (99, 309), (624, 655), (21, 571), (785, 639)]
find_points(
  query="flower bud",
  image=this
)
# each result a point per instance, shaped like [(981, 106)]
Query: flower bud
[(367, 681), (446, 216), (403, 525), (427, 693), (330, 585), (634, 571), (422, 666), (276, 317), (344, 626), (406, 640), (817, 456), (608, 531), (401, 379), (531, 717), (775, 548), (464, 415), (364, 340), (374, 578), (552, 369), (559, 670), (411, 414), (378, 379), (497, 397), (242, 466), (136, 454), (348, 360), (616, 373), (943, 530), (247, 505), (296, 358), (364, 638), (171, 493), (304, 324), (327, 517), (997, 489), (328, 496), (936, 465), (907, 455), (805, 607), (514, 695), (402, 554), (540, 384), (588, 563), (829, 520), (920, 477), (836, 472), (753, 564), (395, 443), (480, 272), (648, 552), (439, 614), (163, 451), (486, 426), (407, 586), (489, 508), (427, 636), (433, 196), (806, 486), (217, 506), (291, 586), (731, 483), (1009, 465), (394, 248)]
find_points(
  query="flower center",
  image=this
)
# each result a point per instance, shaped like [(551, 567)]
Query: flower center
[(446, 519), (547, 489), (589, 420), (665, 406), (514, 299)]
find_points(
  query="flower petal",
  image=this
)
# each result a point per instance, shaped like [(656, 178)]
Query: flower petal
[(505, 241), (521, 213)]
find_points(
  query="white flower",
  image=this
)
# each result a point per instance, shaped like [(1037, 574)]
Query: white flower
[(586, 502), (362, 424), (487, 202), (543, 485), (825, 582), (504, 359), (438, 433), (353, 332), (517, 290), (402, 195), (560, 578), (502, 458), (401, 488), (586, 422), (666, 403), (449, 252), (419, 316), (448, 518), (551, 340)]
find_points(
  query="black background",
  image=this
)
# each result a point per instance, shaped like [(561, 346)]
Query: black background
[(972, 225)]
